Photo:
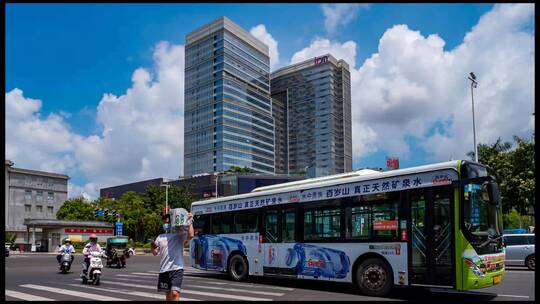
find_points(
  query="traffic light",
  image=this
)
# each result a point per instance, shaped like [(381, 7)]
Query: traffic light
[(96, 212), (105, 212)]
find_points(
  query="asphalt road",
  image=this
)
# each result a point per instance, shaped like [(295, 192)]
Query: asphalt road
[(36, 277)]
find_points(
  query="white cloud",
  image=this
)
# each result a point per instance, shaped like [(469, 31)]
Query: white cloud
[(412, 86), (320, 46), (339, 14), (142, 134), (263, 35)]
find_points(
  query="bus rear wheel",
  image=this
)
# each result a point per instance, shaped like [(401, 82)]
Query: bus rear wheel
[(238, 268), (374, 277)]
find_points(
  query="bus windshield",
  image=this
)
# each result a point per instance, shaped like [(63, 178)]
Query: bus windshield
[(480, 216)]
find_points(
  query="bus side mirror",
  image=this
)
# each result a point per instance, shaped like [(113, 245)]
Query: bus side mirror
[(494, 193)]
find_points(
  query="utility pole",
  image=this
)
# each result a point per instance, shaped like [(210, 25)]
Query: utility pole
[(472, 78), (166, 197)]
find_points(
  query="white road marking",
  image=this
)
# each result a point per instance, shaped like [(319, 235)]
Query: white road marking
[(206, 281), (134, 280), (210, 294), (265, 293), (235, 284), (130, 275), (512, 296), (73, 293), (145, 274), (25, 296), (131, 292)]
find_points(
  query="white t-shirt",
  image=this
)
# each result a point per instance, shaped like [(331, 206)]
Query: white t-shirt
[(171, 250)]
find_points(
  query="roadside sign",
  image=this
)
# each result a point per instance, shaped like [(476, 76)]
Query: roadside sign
[(119, 228)]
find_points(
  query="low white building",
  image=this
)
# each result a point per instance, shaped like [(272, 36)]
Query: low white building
[(54, 231)]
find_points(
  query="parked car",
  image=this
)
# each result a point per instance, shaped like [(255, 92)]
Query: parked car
[(520, 249), (7, 252)]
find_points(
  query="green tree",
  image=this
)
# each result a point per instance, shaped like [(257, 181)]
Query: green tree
[(236, 169), (76, 209), (514, 170)]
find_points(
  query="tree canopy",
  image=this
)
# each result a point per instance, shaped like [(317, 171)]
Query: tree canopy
[(76, 209), (514, 170), (141, 213), (236, 169)]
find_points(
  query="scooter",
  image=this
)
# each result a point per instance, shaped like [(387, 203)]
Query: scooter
[(93, 273), (65, 262)]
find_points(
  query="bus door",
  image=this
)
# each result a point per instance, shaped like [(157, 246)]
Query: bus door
[(270, 240), (431, 242)]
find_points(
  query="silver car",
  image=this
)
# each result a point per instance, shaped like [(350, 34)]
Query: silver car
[(520, 249)]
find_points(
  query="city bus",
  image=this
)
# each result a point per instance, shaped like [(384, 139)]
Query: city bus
[(437, 226)]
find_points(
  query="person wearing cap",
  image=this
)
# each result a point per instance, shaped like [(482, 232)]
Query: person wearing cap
[(67, 247), (170, 246), (92, 246)]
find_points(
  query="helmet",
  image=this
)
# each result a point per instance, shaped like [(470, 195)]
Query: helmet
[(67, 241), (93, 237)]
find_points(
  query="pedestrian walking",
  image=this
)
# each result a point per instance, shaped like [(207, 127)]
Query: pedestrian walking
[(170, 246)]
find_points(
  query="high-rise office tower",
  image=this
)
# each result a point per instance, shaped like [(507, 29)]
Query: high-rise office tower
[(228, 111), (312, 113)]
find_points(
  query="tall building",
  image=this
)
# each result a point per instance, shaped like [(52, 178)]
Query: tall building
[(31, 194), (228, 111), (312, 111)]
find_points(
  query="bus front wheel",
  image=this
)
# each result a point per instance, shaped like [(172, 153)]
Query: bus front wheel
[(374, 277), (238, 268), (529, 262)]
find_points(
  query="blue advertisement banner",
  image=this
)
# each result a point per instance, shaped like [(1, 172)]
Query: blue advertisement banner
[(397, 183)]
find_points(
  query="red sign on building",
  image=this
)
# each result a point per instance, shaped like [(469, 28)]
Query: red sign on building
[(385, 225), (392, 163), (89, 230)]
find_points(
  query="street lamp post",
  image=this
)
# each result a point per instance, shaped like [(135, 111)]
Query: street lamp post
[(217, 177), (472, 78), (166, 197)]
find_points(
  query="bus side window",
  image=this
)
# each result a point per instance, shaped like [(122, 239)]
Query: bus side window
[(201, 224), (221, 223), (288, 225), (246, 221), (270, 226)]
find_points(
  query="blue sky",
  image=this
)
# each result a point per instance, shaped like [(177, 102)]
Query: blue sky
[(70, 55)]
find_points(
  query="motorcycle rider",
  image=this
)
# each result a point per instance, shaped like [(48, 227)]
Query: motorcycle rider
[(67, 247), (92, 246)]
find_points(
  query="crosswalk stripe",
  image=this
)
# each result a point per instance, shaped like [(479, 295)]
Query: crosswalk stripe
[(73, 293), (25, 296), (235, 284), (145, 274), (220, 283), (266, 293), (205, 281), (130, 276), (132, 292), (195, 292), (133, 280)]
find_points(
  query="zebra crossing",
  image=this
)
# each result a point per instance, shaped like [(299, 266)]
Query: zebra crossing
[(197, 285)]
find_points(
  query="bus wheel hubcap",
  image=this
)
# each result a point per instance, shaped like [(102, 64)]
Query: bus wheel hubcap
[(238, 268), (374, 277)]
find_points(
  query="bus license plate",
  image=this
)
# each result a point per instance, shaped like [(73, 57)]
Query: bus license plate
[(496, 279)]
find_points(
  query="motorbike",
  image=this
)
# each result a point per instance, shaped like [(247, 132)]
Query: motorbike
[(93, 273), (65, 262), (117, 251)]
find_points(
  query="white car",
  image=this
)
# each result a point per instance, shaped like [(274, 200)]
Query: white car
[(520, 249)]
